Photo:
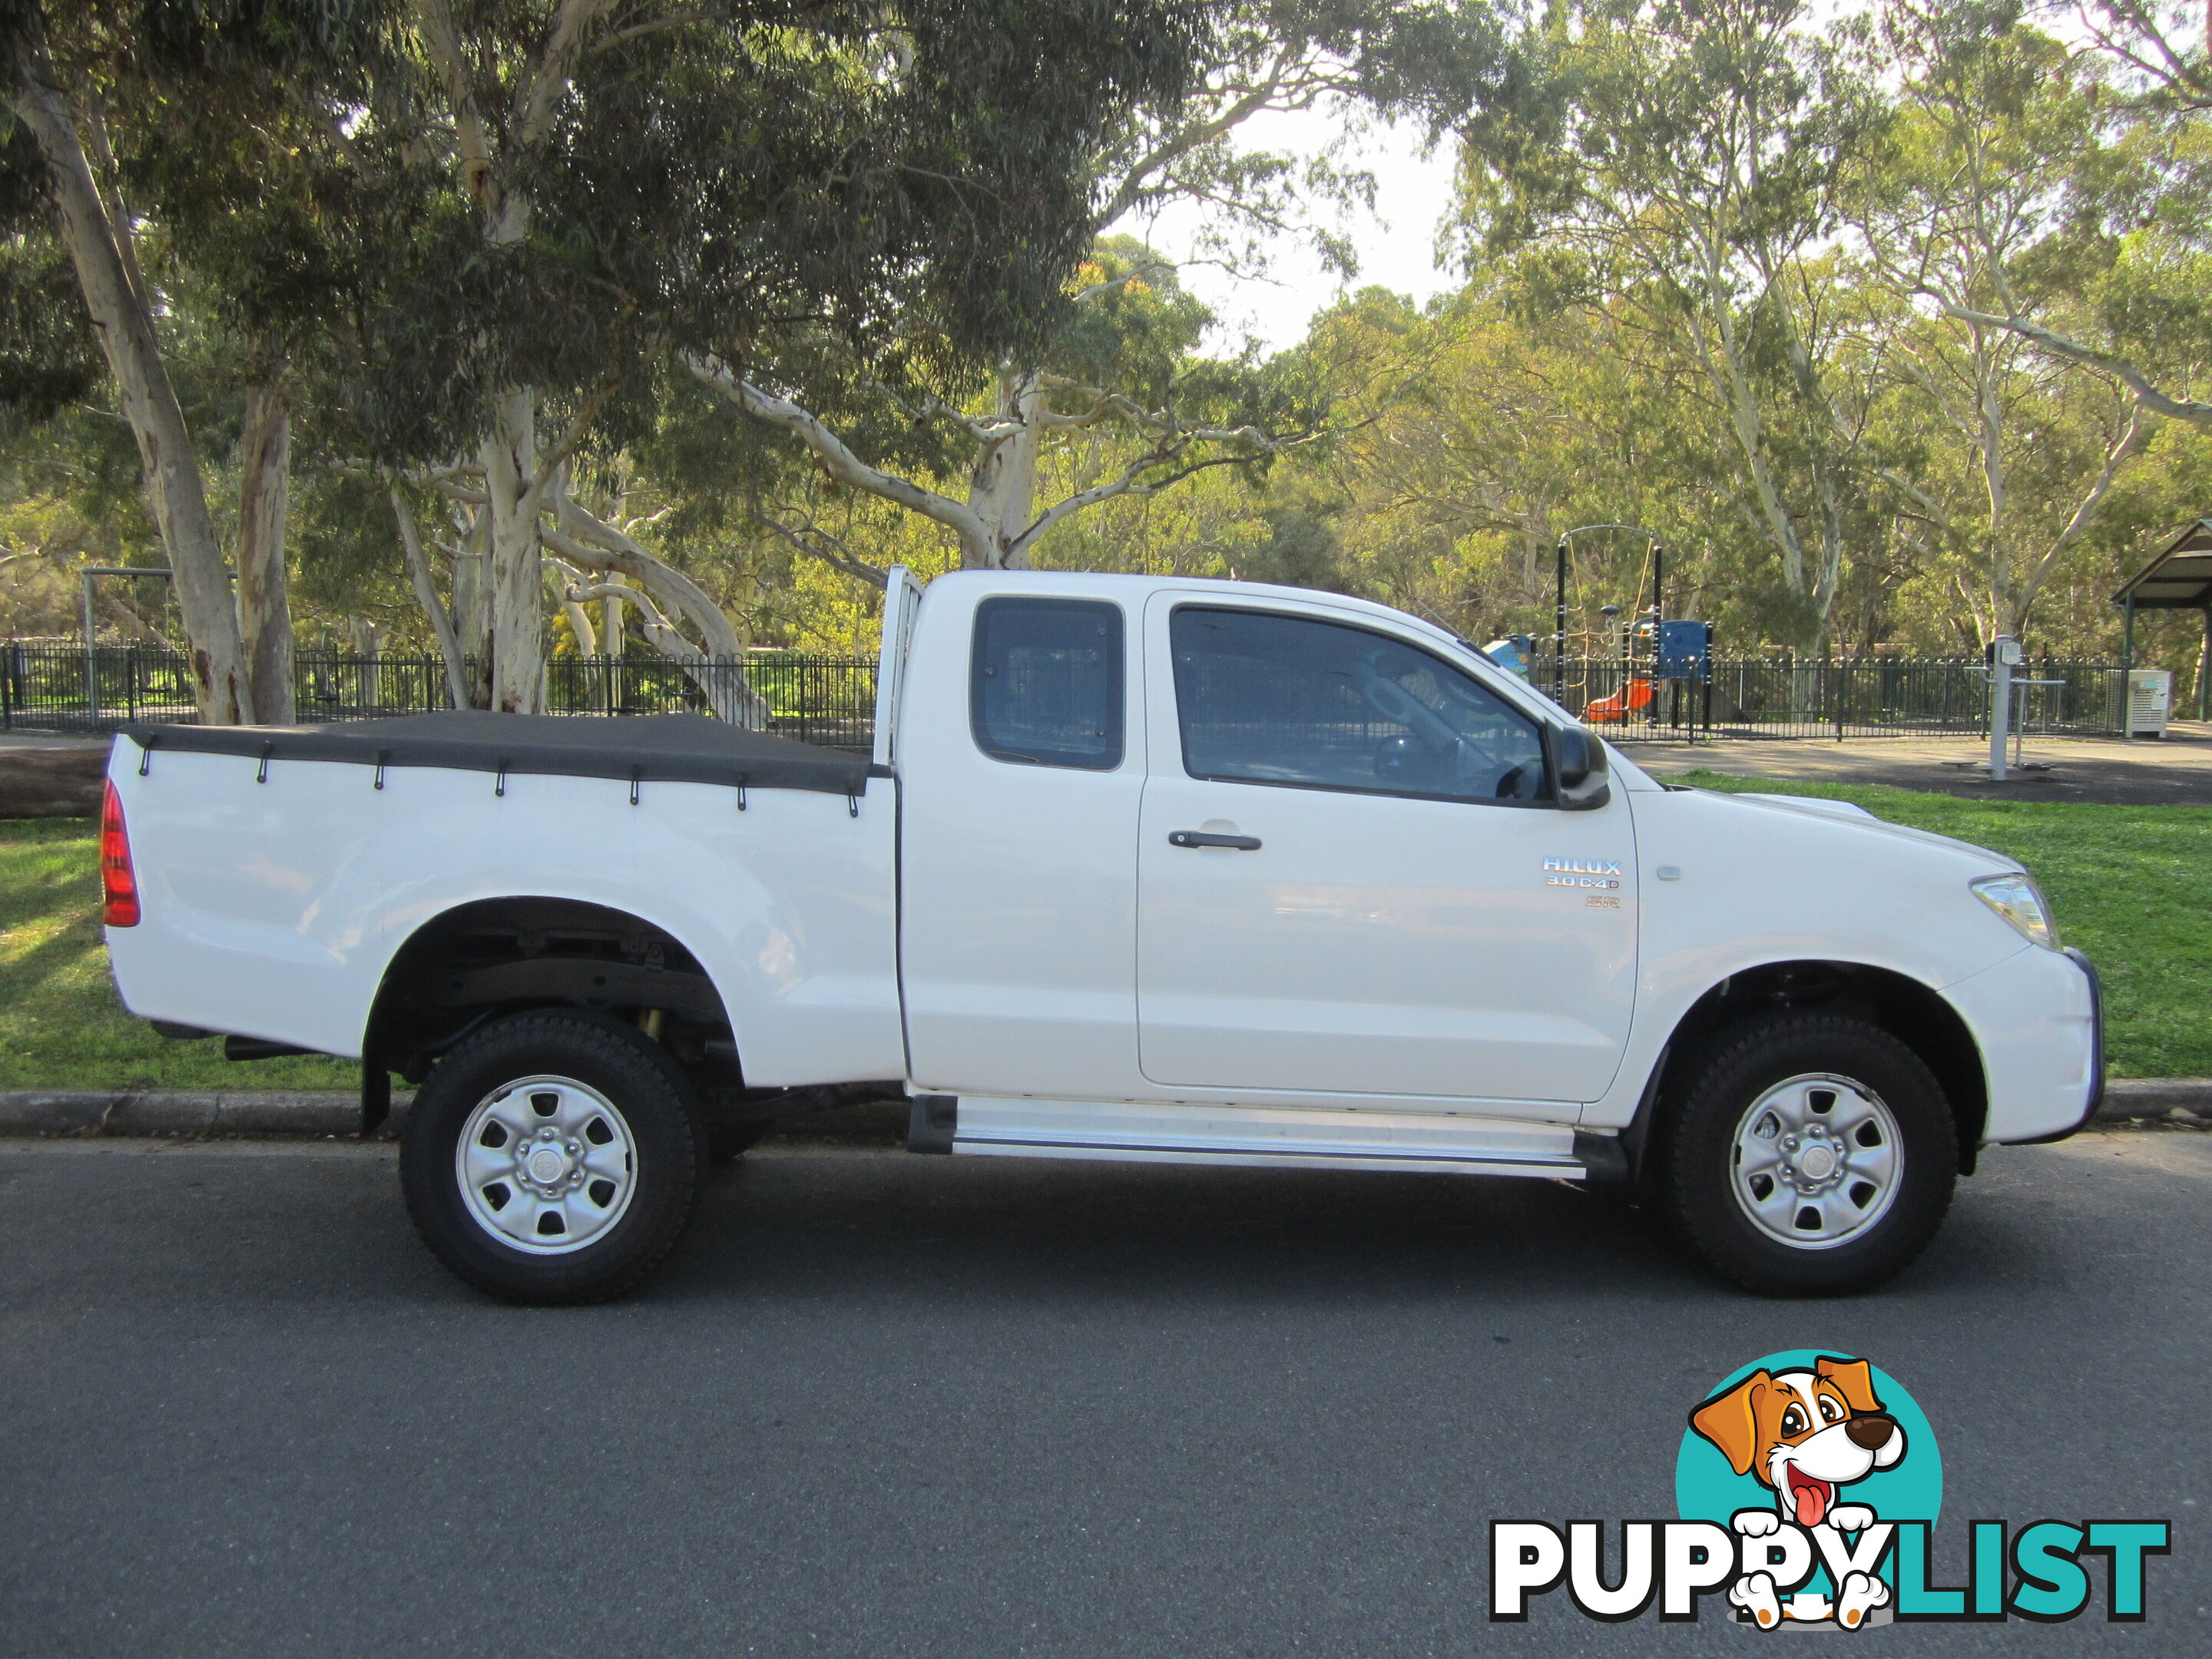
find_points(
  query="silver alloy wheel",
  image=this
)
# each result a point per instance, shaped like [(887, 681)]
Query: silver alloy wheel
[(546, 1164), (1817, 1161)]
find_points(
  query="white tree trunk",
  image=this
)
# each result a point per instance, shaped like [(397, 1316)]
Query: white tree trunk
[(1002, 485), (721, 684), (426, 594), (264, 605), (515, 574), (586, 540), (598, 545), (123, 318), (473, 617), (366, 640)]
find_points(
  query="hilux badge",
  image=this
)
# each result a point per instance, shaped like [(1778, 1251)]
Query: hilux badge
[(1582, 872)]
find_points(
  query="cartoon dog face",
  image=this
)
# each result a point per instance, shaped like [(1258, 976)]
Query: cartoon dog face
[(1804, 1433)]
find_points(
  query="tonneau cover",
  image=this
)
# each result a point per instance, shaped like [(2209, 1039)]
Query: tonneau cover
[(644, 748)]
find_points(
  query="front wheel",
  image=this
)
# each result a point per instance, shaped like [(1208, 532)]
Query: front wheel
[(553, 1158), (1813, 1154)]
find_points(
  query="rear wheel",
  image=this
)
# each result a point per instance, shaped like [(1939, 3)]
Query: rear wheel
[(553, 1158), (1813, 1154)]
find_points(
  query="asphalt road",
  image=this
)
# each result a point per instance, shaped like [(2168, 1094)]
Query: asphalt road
[(887, 1405)]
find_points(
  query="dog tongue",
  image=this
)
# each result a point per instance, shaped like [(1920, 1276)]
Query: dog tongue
[(1812, 1504)]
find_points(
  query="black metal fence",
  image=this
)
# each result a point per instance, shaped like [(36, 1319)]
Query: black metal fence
[(831, 701), (57, 686), (1784, 697)]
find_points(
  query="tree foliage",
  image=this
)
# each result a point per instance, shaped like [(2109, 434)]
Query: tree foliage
[(670, 324)]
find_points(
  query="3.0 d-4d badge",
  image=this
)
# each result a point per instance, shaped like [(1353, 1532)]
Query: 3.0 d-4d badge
[(1582, 872)]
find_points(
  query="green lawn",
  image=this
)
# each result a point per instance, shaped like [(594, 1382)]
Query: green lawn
[(2126, 884), (61, 1025)]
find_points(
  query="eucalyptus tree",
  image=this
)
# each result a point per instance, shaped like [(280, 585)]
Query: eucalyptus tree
[(112, 100), (1120, 405), (1507, 419), (966, 441), (49, 358), (563, 194), (2152, 299), (1974, 216), (1684, 161)]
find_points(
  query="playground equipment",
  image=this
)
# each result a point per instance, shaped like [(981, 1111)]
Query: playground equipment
[(1516, 653), (1633, 698), (1680, 651)]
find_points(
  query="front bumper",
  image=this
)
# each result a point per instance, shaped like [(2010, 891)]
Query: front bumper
[(2080, 959), (2037, 1018)]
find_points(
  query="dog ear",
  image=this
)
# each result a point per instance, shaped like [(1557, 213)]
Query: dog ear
[(1731, 1420), (1854, 1376)]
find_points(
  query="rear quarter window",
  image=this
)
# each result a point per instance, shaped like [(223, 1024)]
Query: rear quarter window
[(1045, 683)]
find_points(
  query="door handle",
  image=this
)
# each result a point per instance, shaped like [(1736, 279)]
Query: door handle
[(1206, 838)]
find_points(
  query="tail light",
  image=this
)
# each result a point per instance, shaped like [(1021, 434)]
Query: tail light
[(118, 884)]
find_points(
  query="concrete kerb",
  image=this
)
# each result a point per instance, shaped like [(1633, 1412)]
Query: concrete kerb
[(327, 1115), (242, 1114)]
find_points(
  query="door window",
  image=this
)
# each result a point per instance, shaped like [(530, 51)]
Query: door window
[(1045, 683), (1267, 698)]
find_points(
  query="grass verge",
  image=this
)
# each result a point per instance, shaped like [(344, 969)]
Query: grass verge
[(2124, 883), (62, 1025)]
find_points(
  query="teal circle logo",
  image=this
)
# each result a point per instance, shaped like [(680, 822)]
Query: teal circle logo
[(1810, 1436)]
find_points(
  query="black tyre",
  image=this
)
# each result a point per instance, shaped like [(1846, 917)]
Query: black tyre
[(553, 1158), (728, 1142), (1809, 1155)]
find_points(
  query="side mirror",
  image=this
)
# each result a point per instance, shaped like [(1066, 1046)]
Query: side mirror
[(1578, 770)]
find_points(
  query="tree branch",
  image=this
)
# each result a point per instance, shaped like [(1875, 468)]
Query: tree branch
[(842, 463), (426, 594), (2130, 441), (469, 129), (2181, 409), (589, 540), (564, 44), (836, 555), (1248, 101)]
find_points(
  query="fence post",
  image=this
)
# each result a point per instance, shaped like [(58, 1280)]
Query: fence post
[(8, 687)]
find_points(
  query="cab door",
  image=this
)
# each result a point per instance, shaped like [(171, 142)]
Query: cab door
[(1354, 878), (1018, 798)]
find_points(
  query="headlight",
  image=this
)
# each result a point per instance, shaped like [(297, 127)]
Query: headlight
[(2016, 899)]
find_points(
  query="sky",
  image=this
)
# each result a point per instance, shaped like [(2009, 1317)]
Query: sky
[(1413, 194)]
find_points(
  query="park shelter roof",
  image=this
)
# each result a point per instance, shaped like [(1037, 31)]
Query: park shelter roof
[(2178, 579)]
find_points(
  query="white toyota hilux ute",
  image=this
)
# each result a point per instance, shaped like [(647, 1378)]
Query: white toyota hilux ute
[(1141, 868)]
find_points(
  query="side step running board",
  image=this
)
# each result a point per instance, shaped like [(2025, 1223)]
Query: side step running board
[(1263, 1136)]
